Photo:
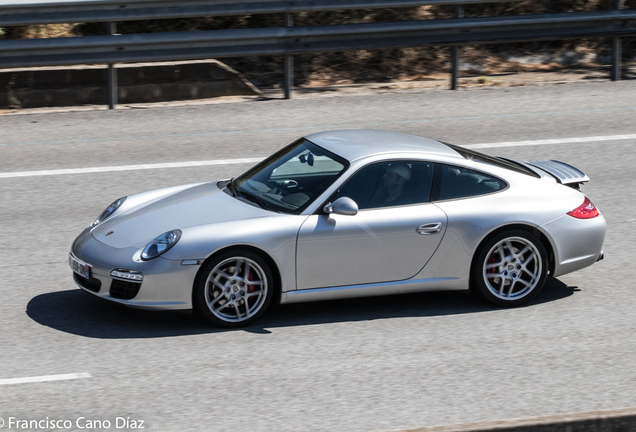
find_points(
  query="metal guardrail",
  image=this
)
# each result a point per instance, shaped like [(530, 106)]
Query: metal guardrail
[(286, 40), (52, 12), (297, 40)]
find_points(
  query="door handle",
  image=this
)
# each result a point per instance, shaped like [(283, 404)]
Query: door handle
[(430, 228)]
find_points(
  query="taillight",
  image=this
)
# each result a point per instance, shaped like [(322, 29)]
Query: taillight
[(585, 210)]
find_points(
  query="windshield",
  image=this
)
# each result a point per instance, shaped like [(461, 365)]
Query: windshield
[(289, 180)]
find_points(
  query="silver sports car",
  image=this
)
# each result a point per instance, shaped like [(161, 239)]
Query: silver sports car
[(343, 214)]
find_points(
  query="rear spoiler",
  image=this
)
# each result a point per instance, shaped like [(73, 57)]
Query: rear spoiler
[(563, 173)]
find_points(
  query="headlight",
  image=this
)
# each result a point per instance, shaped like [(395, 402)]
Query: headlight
[(160, 245), (109, 211)]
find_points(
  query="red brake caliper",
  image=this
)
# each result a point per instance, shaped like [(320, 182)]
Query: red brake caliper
[(250, 287)]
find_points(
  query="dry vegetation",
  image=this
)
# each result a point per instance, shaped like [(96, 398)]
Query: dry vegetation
[(384, 65)]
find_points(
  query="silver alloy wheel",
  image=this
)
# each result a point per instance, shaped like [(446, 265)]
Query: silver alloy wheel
[(513, 268), (236, 289)]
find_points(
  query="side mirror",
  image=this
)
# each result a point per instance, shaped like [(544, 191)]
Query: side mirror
[(342, 206)]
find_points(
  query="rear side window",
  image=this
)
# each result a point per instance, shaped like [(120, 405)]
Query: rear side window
[(458, 182)]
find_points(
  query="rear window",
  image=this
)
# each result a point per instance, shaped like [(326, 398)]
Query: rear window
[(490, 160)]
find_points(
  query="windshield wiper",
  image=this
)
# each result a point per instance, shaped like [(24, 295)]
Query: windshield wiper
[(230, 186), (252, 198)]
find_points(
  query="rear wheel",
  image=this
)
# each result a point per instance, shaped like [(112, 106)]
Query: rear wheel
[(233, 289), (510, 268)]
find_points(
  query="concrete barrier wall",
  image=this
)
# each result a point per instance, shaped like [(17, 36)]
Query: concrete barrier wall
[(137, 83)]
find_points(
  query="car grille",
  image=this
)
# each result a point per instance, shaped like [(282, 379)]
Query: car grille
[(91, 284), (124, 290)]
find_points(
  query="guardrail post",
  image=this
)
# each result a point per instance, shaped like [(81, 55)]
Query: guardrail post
[(289, 61), (617, 48), (111, 29), (456, 52)]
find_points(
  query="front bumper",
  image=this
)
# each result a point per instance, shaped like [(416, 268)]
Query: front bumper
[(166, 285)]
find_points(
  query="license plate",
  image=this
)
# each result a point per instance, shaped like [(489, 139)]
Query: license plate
[(79, 267)]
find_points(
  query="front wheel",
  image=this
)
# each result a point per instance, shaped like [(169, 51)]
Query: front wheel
[(510, 268), (233, 289)]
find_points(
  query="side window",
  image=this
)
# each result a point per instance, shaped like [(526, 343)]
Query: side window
[(389, 184), (458, 182)]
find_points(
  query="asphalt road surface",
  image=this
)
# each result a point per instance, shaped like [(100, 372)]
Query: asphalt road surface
[(357, 365)]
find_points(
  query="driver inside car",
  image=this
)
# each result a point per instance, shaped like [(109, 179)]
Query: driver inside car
[(392, 186)]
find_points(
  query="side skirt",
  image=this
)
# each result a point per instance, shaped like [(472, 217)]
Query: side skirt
[(376, 289)]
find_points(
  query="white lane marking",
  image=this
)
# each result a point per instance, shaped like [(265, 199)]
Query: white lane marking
[(254, 160), (129, 167), (551, 141), (45, 378)]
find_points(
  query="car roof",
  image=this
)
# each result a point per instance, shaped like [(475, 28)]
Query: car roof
[(354, 144)]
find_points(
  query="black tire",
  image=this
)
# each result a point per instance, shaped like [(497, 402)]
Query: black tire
[(510, 268), (233, 289)]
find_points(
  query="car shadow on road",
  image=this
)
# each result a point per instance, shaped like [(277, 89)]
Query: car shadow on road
[(82, 314)]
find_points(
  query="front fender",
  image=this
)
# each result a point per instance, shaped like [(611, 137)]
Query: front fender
[(275, 235)]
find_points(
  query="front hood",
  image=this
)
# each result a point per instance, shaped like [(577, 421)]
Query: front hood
[(199, 205)]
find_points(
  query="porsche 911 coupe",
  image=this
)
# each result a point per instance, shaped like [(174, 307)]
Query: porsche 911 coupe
[(343, 214)]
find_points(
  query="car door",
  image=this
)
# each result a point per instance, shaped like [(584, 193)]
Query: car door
[(383, 242)]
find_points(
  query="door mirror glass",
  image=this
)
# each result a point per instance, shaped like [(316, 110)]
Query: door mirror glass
[(342, 206)]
